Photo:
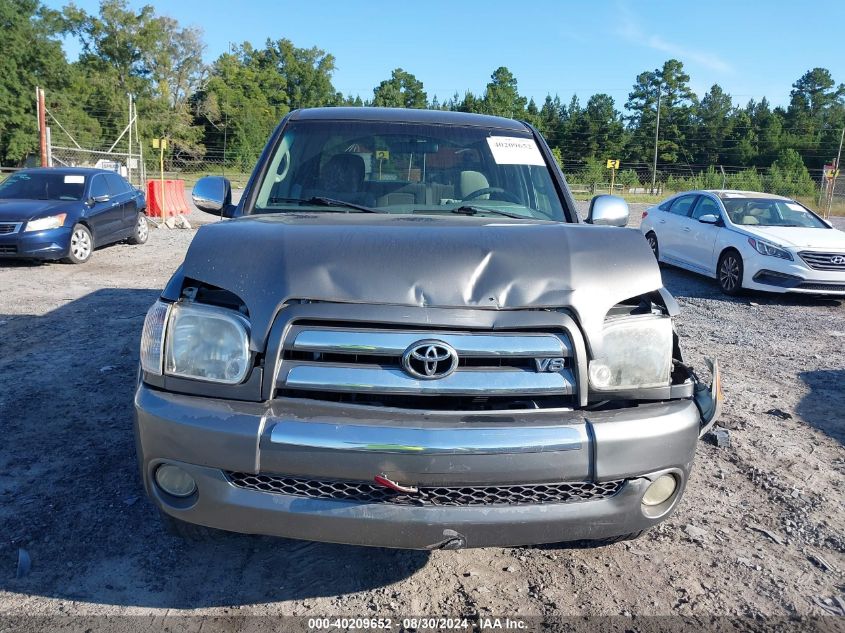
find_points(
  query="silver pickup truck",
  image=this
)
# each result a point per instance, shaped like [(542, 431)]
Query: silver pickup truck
[(406, 337)]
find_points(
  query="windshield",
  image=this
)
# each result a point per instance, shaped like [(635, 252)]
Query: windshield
[(408, 168), (43, 186), (771, 212)]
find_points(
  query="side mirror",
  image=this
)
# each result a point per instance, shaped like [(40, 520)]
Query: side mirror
[(608, 210), (709, 218), (103, 198), (213, 194)]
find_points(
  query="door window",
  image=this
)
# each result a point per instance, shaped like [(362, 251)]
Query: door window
[(99, 187), (706, 206), (117, 185), (682, 205)]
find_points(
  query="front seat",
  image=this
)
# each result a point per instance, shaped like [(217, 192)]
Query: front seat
[(342, 177), (472, 181)]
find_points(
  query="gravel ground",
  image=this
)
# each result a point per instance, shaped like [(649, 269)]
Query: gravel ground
[(761, 531)]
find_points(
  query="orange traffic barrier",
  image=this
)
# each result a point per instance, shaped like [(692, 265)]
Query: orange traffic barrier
[(167, 203)]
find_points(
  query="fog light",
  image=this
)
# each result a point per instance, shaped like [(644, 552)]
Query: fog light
[(175, 481), (660, 490)]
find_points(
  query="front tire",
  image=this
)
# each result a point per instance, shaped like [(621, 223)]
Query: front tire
[(81, 245), (729, 273), (142, 230)]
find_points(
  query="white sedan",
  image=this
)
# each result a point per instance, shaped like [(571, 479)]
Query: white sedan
[(748, 240)]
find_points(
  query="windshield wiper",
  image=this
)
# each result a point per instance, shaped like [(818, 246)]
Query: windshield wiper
[(468, 209), (321, 201)]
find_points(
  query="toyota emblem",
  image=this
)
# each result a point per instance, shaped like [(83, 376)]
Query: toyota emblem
[(430, 360)]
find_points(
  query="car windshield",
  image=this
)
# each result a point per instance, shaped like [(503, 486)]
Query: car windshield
[(771, 212), (43, 186), (406, 168)]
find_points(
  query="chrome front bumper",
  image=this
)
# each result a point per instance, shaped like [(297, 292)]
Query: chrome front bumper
[(325, 441)]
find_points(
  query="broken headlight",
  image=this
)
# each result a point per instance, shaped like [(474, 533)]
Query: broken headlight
[(636, 353)]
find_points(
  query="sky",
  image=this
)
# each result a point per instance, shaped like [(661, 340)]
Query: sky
[(752, 48)]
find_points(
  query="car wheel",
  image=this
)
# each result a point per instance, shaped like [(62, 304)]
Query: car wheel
[(188, 531), (651, 238), (730, 272), (142, 230), (81, 245)]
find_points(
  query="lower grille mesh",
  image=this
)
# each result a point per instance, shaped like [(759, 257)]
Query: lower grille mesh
[(365, 492)]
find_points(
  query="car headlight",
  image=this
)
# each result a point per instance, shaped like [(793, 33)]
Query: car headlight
[(767, 248), (636, 353), (152, 338), (50, 222), (195, 341)]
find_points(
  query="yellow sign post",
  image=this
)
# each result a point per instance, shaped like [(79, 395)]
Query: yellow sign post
[(612, 165), (161, 145)]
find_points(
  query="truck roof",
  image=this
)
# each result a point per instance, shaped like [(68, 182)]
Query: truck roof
[(408, 115)]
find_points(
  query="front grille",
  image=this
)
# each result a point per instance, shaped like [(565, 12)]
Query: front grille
[(8, 250), (824, 261), (496, 369), (365, 492), (9, 227), (825, 287)]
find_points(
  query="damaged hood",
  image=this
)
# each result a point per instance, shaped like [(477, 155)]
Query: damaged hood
[(425, 261)]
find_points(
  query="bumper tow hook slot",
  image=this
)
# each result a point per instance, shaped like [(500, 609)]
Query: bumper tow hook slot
[(382, 480)]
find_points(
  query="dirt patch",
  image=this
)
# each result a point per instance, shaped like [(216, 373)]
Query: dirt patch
[(761, 530)]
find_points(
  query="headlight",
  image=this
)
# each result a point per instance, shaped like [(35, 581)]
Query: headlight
[(50, 222), (206, 343), (637, 353), (152, 338), (767, 248)]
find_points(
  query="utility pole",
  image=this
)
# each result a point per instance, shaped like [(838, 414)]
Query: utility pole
[(656, 134), (835, 174), (129, 151), (42, 126)]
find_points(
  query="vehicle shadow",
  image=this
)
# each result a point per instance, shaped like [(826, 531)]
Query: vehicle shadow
[(683, 283), (70, 495), (822, 407)]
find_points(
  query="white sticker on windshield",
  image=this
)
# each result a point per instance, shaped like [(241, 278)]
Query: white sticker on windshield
[(74, 179), (511, 150), (795, 207)]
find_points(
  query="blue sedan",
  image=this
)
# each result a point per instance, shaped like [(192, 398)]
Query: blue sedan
[(64, 213)]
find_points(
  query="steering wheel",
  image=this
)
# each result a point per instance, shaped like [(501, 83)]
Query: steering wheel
[(505, 195)]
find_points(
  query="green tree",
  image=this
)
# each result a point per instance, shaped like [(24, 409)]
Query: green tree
[(677, 108), (502, 98), (788, 176), (150, 56), (712, 122), (32, 56), (402, 90)]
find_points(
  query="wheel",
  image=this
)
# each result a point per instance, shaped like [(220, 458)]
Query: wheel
[(651, 238), (81, 245), (729, 273), (142, 230), (188, 531)]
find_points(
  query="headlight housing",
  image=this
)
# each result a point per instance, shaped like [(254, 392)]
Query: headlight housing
[(767, 248), (43, 224), (636, 353), (196, 341)]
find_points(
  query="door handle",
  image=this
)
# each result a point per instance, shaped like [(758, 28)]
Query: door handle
[(662, 221), (686, 229)]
